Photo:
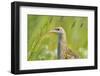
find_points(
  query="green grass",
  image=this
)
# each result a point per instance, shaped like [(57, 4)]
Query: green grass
[(42, 45)]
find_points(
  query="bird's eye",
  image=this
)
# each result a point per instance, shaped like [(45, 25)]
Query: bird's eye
[(57, 29)]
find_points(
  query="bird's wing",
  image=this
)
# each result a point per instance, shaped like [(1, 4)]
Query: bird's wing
[(69, 54)]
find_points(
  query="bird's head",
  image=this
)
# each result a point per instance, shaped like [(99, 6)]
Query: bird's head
[(58, 30)]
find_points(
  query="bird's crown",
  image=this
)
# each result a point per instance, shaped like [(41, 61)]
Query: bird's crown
[(57, 30)]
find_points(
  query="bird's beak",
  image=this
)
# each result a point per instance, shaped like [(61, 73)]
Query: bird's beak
[(52, 31)]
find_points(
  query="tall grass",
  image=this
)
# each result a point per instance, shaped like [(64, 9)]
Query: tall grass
[(43, 46)]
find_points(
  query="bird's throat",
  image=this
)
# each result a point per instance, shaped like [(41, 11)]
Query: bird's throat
[(61, 45)]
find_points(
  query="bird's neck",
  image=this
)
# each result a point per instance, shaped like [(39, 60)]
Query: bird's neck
[(61, 44), (63, 40)]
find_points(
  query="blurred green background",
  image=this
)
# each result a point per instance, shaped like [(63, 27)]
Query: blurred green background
[(43, 46)]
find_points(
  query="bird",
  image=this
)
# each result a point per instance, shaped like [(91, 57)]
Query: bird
[(63, 52)]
